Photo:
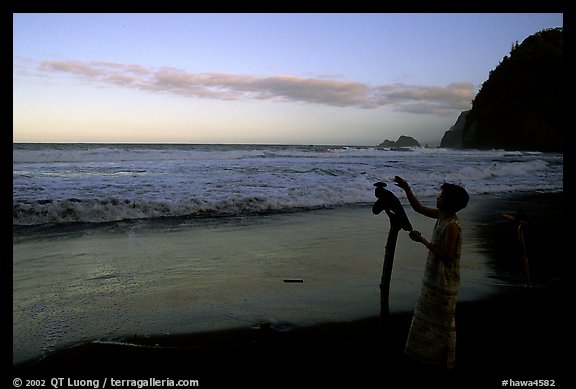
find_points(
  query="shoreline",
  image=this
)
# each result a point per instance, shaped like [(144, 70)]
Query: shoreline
[(512, 334)]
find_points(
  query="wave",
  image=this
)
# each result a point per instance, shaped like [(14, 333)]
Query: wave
[(74, 153), (114, 155), (48, 212), (112, 210)]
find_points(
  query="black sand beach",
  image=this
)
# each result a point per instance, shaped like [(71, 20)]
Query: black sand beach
[(517, 334)]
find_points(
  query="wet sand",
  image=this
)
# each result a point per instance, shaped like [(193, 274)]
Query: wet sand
[(519, 335), (516, 333)]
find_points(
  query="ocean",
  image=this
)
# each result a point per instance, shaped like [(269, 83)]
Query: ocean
[(97, 183), (116, 240)]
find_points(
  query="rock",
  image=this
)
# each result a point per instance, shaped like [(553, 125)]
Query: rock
[(453, 138), (402, 142)]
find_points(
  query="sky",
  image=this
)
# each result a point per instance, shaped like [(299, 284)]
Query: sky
[(336, 79)]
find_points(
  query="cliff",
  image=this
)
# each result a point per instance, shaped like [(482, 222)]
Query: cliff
[(521, 105), (453, 137)]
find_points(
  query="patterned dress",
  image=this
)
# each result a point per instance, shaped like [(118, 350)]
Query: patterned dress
[(432, 336)]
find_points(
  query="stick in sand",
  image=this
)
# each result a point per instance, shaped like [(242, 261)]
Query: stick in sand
[(389, 203)]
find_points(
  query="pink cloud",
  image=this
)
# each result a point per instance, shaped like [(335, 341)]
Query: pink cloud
[(224, 86)]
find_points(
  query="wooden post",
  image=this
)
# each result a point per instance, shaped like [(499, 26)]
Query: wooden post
[(517, 218), (524, 253), (387, 270)]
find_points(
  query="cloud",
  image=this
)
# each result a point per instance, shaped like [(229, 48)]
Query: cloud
[(224, 86)]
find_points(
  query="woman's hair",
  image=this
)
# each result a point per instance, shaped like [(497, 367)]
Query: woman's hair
[(456, 197)]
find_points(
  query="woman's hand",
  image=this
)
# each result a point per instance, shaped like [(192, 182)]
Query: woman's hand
[(416, 236), (400, 182)]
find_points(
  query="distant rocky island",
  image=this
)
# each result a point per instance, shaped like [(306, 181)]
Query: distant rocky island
[(403, 142), (521, 105)]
